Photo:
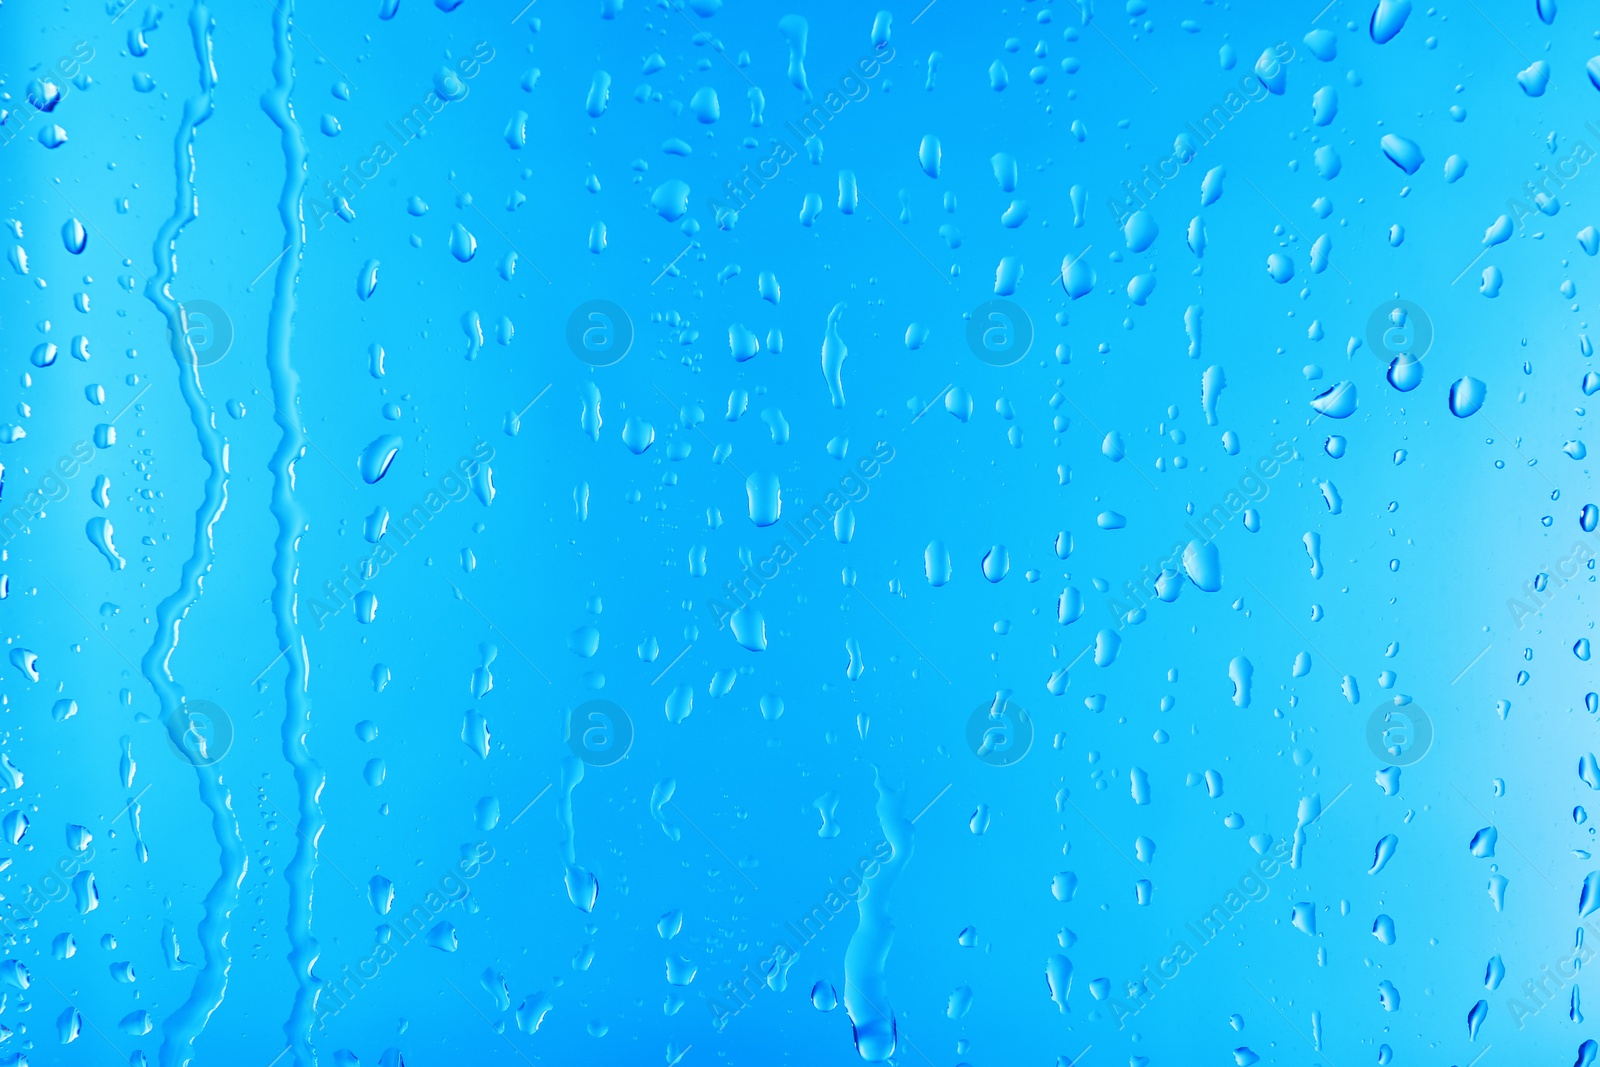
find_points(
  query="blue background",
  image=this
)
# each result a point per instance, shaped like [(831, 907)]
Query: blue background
[(1419, 564)]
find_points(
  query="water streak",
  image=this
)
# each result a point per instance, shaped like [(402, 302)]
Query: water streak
[(866, 990), (308, 774), (185, 1025)]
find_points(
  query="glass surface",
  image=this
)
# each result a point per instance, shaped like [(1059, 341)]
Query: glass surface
[(713, 532)]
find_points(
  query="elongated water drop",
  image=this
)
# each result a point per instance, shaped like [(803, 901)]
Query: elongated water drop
[(599, 94), (765, 498), (1402, 152), (794, 29), (937, 564), (1388, 18), (367, 280), (99, 532), (375, 459), (749, 628), (74, 236), (834, 352), (1467, 396), (462, 244), (1384, 852), (1336, 402)]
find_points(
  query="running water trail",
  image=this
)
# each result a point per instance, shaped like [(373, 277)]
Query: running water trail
[(308, 775), (866, 991), (186, 1024)]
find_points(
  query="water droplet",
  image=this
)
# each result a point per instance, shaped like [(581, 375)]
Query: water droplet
[(1402, 152), (765, 499), (1388, 18), (462, 244), (1467, 396), (375, 459)]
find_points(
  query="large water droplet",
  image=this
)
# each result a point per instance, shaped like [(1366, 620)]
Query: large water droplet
[(1467, 396), (765, 498), (1388, 18), (1336, 402), (376, 457), (1402, 152)]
